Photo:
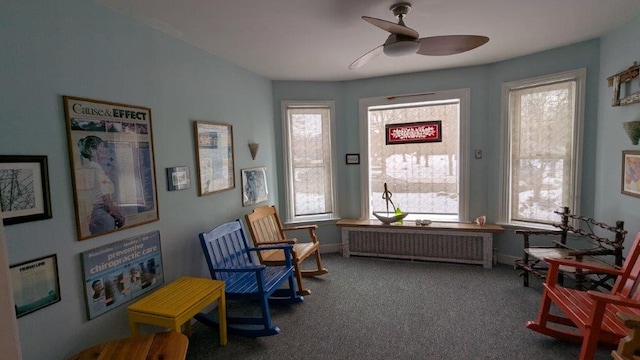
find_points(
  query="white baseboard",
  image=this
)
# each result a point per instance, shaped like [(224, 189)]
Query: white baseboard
[(330, 248)]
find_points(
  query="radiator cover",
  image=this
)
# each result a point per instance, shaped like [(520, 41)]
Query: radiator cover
[(419, 244)]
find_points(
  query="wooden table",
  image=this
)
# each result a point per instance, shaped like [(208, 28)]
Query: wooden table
[(167, 345), (174, 304)]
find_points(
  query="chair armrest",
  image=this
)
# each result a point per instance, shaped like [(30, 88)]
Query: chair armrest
[(301, 227), (283, 241), (311, 228), (630, 320), (270, 247), (253, 268), (613, 299), (287, 254), (555, 263)]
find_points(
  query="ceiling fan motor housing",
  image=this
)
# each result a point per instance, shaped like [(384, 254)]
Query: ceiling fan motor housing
[(400, 45)]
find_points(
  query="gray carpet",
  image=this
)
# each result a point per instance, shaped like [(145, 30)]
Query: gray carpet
[(388, 309)]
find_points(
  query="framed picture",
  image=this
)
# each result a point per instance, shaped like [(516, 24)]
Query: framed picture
[(24, 189), (112, 165), (353, 159), (178, 178), (116, 273), (35, 284), (631, 173), (254, 186), (416, 132), (214, 157)]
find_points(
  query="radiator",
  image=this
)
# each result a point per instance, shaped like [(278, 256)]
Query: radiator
[(446, 246)]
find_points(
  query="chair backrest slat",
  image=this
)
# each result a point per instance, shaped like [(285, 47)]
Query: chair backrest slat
[(225, 247), (265, 226)]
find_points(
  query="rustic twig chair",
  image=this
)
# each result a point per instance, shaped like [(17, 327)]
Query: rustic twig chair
[(266, 229), (586, 244)]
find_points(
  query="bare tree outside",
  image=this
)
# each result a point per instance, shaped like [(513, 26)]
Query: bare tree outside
[(16, 189), (542, 123)]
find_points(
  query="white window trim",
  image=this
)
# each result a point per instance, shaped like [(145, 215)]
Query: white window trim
[(579, 76), (463, 164), (289, 217)]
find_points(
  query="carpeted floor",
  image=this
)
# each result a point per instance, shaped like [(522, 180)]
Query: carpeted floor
[(388, 309)]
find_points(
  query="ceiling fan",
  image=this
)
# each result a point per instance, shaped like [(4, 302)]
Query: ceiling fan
[(404, 40)]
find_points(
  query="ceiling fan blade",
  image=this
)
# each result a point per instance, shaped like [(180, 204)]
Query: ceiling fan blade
[(366, 57), (392, 27), (450, 44)]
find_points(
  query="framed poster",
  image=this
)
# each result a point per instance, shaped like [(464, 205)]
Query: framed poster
[(112, 165), (178, 178), (214, 157), (118, 272), (24, 189), (631, 173), (35, 284), (416, 132), (254, 186)]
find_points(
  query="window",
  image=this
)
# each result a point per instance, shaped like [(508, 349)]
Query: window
[(426, 179), (542, 119), (308, 134)]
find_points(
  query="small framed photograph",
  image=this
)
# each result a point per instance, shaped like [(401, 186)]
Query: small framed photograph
[(35, 284), (178, 178), (631, 173), (24, 189), (353, 159), (254, 186), (214, 157)]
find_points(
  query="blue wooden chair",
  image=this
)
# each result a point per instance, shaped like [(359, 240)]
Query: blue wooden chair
[(229, 259)]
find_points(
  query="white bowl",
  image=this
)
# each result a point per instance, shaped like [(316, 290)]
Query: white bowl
[(389, 218)]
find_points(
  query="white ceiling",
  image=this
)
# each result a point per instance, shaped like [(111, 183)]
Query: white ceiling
[(318, 39)]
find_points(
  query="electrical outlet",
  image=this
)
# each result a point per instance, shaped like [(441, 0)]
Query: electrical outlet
[(478, 154)]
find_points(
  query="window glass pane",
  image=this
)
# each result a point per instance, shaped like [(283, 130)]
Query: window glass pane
[(542, 119), (423, 177), (310, 160)]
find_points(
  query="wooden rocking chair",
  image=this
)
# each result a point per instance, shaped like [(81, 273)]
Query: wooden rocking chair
[(266, 229), (589, 316), (228, 258)]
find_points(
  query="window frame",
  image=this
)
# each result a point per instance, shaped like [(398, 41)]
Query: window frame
[(464, 96), (504, 207), (290, 216)]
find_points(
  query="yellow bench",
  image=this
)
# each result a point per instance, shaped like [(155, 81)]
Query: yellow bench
[(174, 304)]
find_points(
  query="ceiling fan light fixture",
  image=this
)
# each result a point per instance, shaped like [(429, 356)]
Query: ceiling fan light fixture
[(401, 48)]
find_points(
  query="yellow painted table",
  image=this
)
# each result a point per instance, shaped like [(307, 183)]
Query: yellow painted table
[(174, 304)]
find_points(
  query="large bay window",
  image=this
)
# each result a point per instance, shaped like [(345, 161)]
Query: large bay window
[(426, 179)]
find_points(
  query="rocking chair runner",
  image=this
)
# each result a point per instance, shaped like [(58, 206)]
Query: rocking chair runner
[(266, 229), (228, 258), (591, 314)]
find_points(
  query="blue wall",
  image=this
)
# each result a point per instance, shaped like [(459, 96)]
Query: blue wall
[(618, 51), (78, 48)]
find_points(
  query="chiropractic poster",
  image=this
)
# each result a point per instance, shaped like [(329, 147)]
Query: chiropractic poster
[(116, 273)]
